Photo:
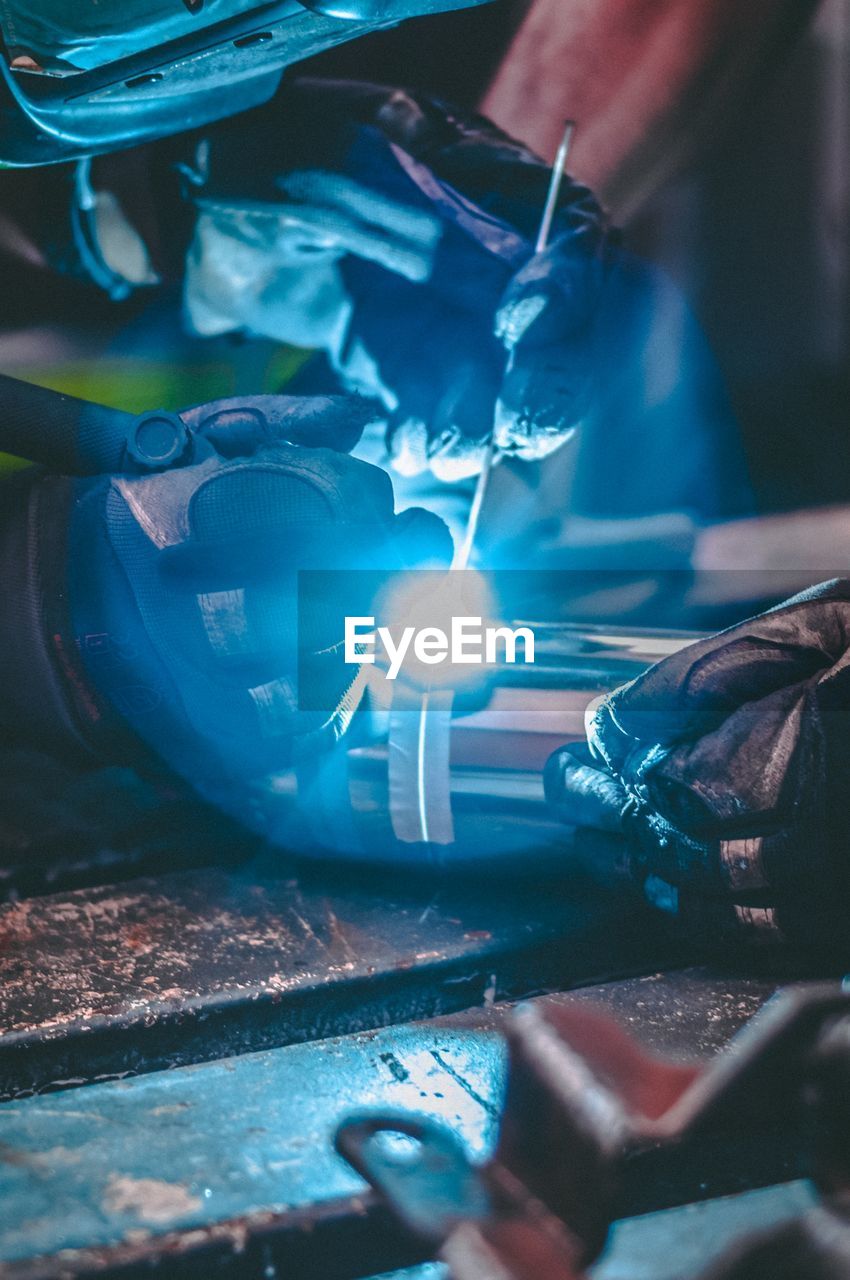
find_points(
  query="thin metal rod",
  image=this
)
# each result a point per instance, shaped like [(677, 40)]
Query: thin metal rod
[(464, 551), (558, 169)]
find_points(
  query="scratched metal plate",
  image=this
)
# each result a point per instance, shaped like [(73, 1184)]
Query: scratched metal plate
[(124, 1164), (185, 968)]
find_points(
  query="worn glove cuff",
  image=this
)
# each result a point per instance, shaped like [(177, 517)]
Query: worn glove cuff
[(46, 697)]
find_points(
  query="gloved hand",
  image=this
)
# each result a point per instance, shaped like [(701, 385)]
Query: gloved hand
[(155, 617), (720, 778), (398, 233)]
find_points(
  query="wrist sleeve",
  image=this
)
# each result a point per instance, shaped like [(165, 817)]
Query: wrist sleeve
[(45, 699)]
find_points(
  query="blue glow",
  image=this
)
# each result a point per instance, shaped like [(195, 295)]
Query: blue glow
[(430, 599)]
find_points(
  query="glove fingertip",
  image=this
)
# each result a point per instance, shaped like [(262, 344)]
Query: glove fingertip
[(582, 794)]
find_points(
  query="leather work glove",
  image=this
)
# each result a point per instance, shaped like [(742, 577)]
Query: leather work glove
[(397, 233), (154, 618), (719, 779)]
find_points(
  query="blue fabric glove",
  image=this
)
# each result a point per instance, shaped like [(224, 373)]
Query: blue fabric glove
[(719, 779), (398, 233), (158, 617)]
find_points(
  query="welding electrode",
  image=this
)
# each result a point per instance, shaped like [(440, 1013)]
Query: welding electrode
[(464, 551)]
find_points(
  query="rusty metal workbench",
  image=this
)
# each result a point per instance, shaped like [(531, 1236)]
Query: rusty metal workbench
[(227, 1167), (176, 1052), (112, 980)]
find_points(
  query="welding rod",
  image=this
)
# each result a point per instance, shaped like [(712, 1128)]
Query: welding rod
[(558, 170), (464, 551)]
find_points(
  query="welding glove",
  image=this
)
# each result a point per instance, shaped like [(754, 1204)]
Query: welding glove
[(156, 617), (397, 233), (719, 779)]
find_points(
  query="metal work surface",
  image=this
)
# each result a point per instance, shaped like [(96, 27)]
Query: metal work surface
[(199, 965), (224, 1161), (681, 1242), (684, 1014), (215, 1143)]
